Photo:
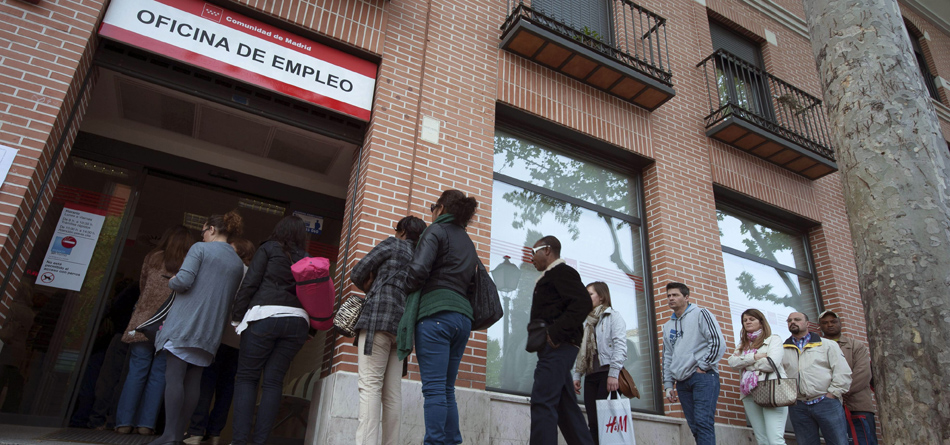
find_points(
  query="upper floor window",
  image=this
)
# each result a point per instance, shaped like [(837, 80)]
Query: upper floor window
[(921, 59)]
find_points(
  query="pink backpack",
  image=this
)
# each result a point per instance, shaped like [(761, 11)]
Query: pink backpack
[(315, 290)]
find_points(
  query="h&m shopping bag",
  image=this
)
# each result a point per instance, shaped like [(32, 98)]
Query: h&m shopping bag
[(613, 421)]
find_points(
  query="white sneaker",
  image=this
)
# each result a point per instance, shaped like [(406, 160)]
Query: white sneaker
[(193, 440)]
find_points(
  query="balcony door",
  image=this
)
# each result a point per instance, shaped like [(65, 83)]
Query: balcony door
[(740, 78), (589, 17)]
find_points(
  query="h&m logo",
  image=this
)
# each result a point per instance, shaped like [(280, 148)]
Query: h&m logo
[(212, 13)]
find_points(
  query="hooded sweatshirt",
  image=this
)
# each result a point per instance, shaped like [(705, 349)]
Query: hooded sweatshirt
[(689, 341)]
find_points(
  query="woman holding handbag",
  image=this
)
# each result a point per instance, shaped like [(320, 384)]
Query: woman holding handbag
[(205, 286), (438, 317), (381, 274), (602, 354), (273, 327), (141, 397), (757, 345)]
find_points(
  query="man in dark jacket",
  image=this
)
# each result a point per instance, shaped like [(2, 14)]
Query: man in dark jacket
[(562, 301), (858, 398)]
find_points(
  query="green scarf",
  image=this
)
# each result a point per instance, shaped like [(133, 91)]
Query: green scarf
[(407, 324)]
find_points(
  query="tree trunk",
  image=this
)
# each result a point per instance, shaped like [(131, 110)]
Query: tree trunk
[(894, 165)]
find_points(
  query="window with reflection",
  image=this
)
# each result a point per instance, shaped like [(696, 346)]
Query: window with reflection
[(595, 213), (768, 267)]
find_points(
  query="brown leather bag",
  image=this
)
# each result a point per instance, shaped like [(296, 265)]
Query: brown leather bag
[(627, 387)]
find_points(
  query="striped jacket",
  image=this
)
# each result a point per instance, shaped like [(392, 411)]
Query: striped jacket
[(689, 341), (385, 299)]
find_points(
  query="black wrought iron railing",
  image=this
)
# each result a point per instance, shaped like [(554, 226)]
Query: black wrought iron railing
[(619, 29), (738, 89)]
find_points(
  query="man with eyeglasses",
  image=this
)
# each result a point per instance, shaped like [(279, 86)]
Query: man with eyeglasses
[(562, 301)]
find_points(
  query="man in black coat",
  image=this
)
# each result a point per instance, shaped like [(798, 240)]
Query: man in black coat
[(562, 301)]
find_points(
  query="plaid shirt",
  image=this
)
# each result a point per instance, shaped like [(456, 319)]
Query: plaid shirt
[(385, 299)]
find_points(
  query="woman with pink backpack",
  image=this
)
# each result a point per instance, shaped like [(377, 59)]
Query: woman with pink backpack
[(273, 327)]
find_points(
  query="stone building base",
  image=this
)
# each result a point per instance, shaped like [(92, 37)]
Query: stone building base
[(487, 418)]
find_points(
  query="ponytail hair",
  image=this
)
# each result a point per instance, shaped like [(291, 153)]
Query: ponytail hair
[(230, 224), (460, 206)]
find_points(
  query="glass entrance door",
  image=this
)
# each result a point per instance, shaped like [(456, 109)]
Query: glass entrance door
[(59, 299)]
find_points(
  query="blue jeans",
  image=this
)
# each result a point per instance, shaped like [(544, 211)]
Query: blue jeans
[(144, 387), (865, 432), (698, 396), (826, 415), (440, 343), (553, 401), (217, 382), (267, 347)]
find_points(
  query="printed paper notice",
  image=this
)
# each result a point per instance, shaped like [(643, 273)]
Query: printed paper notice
[(71, 249), (7, 155)]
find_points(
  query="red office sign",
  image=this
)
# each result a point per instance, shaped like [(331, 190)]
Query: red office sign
[(219, 40)]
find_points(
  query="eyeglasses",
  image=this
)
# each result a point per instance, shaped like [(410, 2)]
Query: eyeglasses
[(535, 250), (433, 207)]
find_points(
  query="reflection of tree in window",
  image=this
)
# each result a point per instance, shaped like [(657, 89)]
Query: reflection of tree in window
[(763, 243), (570, 177)]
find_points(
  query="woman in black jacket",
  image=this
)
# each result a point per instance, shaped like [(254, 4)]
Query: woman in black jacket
[(273, 327), (440, 320)]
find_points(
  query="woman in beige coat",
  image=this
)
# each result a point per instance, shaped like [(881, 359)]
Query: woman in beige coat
[(756, 346)]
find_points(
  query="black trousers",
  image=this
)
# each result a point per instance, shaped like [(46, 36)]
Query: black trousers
[(553, 402), (595, 388)]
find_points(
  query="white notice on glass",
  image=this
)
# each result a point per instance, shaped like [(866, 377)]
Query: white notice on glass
[(7, 155), (71, 248)]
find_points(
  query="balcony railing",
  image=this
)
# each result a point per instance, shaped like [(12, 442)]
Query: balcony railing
[(614, 45), (759, 113)]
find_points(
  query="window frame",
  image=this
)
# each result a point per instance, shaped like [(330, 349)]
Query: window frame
[(566, 141), (922, 59)]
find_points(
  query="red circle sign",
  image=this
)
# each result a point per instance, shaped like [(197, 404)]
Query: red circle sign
[(69, 242)]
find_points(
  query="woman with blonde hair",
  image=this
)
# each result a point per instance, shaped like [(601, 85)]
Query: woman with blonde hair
[(757, 345), (602, 354)]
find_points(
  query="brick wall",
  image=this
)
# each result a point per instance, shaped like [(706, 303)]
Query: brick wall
[(45, 53)]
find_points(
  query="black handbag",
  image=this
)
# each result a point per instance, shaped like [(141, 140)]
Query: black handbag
[(486, 304), (537, 335), (154, 324)]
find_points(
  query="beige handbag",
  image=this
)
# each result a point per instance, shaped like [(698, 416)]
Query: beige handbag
[(347, 315), (776, 392)]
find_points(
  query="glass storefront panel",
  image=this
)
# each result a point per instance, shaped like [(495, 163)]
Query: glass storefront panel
[(539, 165), (765, 242), (59, 297), (775, 292), (600, 247)]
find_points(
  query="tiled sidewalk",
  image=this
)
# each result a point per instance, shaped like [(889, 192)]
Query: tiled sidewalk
[(26, 435)]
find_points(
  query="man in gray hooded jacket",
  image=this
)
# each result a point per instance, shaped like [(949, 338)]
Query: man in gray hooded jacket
[(693, 345)]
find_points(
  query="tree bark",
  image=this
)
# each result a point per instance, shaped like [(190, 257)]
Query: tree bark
[(894, 166)]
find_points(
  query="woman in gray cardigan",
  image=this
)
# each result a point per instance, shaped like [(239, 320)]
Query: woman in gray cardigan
[(206, 284)]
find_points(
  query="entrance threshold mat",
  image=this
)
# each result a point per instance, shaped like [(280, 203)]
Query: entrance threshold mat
[(80, 435)]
